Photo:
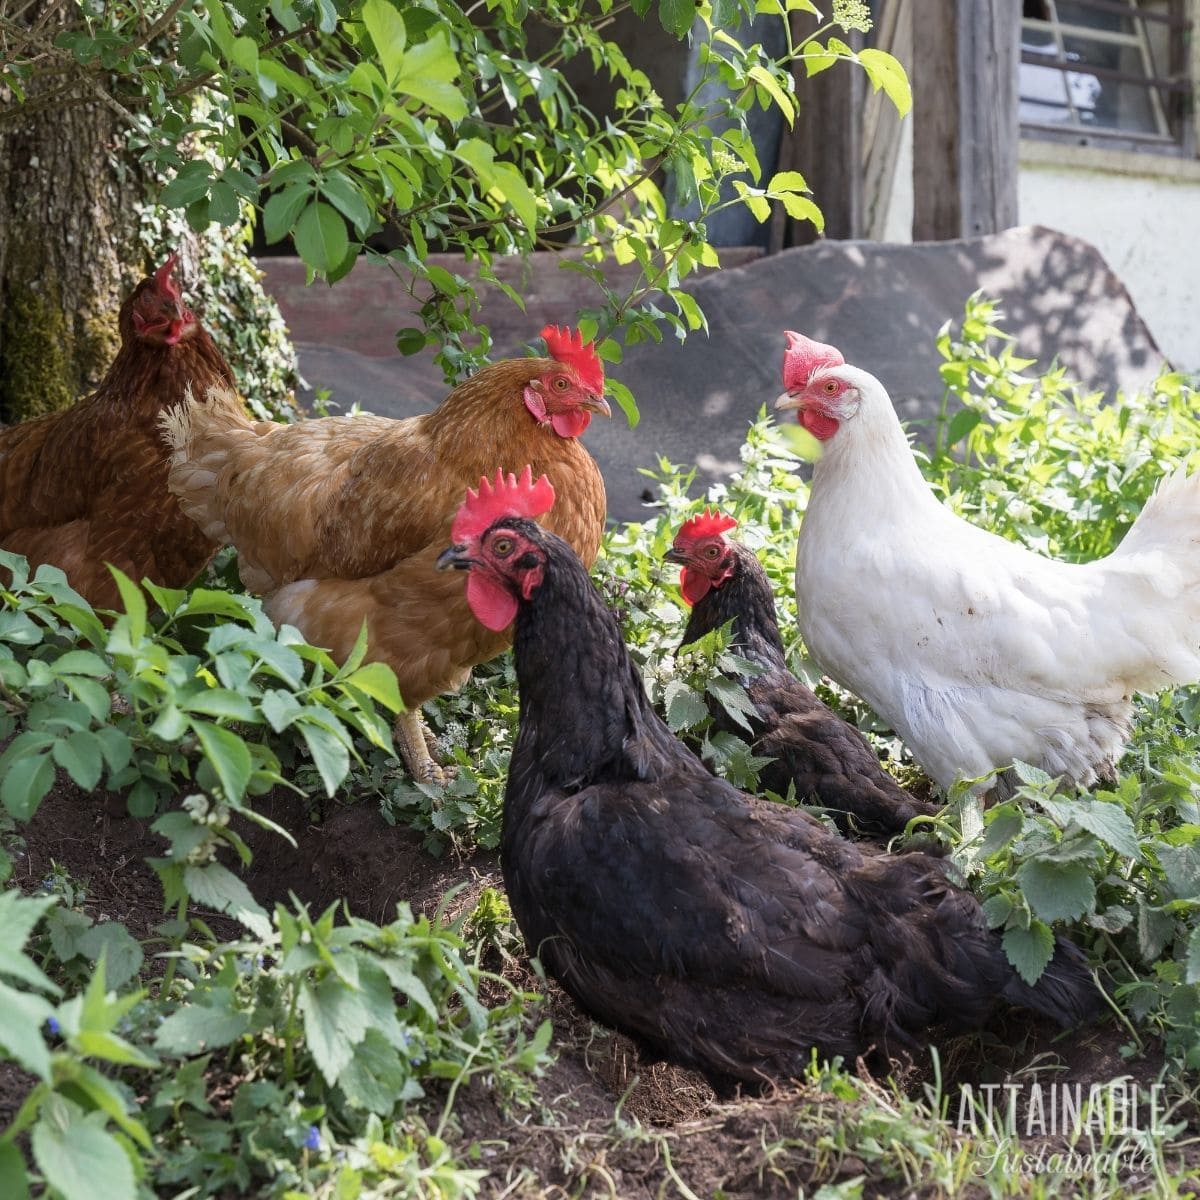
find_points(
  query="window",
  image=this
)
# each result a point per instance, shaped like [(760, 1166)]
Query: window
[(1107, 69)]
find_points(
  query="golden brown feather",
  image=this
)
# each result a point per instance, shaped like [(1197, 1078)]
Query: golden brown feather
[(339, 520)]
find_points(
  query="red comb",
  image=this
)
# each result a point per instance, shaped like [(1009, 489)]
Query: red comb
[(567, 346), (505, 497), (705, 524), (803, 356), (163, 277)]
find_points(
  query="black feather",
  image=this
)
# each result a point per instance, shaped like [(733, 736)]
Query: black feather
[(723, 932), (810, 746)]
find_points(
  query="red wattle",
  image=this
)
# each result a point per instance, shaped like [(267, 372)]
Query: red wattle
[(492, 604), (821, 425), (693, 585), (571, 422)]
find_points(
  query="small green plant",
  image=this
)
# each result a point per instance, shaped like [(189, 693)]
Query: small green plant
[(143, 706)]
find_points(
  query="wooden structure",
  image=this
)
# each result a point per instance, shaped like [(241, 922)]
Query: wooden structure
[(962, 57)]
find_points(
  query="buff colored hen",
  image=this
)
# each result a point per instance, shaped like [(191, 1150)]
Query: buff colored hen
[(340, 520)]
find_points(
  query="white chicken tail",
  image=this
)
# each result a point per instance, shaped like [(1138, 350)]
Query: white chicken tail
[(1170, 521), (1158, 564)]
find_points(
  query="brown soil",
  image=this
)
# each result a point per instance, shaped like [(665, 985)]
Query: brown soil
[(604, 1122)]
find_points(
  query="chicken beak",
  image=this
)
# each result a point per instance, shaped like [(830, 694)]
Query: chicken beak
[(789, 400), (455, 558), (596, 404), (675, 556)]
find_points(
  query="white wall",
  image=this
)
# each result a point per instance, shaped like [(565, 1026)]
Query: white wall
[(1147, 226)]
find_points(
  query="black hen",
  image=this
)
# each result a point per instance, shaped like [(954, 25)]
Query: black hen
[(827, 759), (724, 933)]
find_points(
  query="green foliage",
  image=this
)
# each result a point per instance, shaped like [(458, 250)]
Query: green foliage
[(200, 696), (446, 124), (1045, 463), (321, 1022)]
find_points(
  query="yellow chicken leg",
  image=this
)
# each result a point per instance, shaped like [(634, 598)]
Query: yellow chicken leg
[(413, 744)]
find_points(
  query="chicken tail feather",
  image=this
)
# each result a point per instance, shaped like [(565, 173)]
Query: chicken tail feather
[(1170, 519), (1065, 992)]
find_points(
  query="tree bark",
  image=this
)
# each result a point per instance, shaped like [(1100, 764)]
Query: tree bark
[(69, 249)]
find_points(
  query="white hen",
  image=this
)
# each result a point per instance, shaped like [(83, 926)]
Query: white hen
[(976, 650)]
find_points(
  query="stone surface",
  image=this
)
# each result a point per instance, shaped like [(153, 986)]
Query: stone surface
[(880, 304)]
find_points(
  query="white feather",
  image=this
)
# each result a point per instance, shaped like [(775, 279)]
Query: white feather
[(976, 650)]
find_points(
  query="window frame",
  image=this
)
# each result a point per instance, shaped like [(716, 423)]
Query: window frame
[(1172, 96)]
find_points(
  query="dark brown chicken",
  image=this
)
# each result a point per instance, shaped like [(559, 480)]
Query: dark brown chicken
[(88, 486), (725, 933), (826, 758)]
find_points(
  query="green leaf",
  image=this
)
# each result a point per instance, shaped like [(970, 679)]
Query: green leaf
[(786, 105), (14, 1180), (787, 181), (625, 401), (1181, 866), (996, 910), (376, 1078), (816, 59), (676, 16), (282, 209), (22, 1016), (77, 1155), (1029, 950), (220, 702), (1004, 822), (685, 706), (200, 1027), (963, 422), (25, 785), (511, 185), (134, 602), (410, 340), (341, 193), (228, 755), (1057, 891), (321, 238), (103, 1094), (885, 71), (122, 952), (335, 1021), (1193, 957), (330, 754), (80, 756), (386, 27), (1108, 821), (244, 53), (428, 73), (82, 662), (378, 680), (220, 888)]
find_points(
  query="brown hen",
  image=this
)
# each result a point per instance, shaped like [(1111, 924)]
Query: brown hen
[(340, 520), (88, 486)]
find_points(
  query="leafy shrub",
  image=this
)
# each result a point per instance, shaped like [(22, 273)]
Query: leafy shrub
[(303, 1019)]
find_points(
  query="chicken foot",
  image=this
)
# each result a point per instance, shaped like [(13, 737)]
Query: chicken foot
[(414, 742)]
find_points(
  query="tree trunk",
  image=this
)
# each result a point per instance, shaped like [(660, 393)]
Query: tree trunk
[(69, 249)]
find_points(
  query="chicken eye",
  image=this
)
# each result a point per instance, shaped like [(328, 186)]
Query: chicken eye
[(502, 546), (830, 387), (561, 384), (711, 551)]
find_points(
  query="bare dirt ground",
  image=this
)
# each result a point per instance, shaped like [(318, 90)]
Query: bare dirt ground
[(604, 1122)]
